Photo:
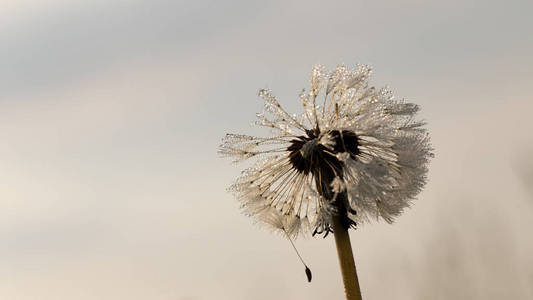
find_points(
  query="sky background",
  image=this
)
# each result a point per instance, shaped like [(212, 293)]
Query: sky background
[(111, 113)]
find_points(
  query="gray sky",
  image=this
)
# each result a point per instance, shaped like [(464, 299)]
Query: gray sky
[(111, 114)]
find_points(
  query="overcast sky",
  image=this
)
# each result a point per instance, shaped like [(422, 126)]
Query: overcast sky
[(111, 113)]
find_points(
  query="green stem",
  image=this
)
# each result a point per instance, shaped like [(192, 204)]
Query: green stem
[(346, 261)]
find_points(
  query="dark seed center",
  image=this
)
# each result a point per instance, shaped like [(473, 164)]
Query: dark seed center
[(308, 155)]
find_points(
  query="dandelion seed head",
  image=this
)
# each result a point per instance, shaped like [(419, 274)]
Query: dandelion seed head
[(354, 151)]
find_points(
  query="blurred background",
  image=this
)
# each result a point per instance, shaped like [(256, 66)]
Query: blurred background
[(111, 113)]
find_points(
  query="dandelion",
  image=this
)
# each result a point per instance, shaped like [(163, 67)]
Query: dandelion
[(355, 154)]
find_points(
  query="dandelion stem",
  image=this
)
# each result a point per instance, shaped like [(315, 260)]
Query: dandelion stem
[(346, 261)]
